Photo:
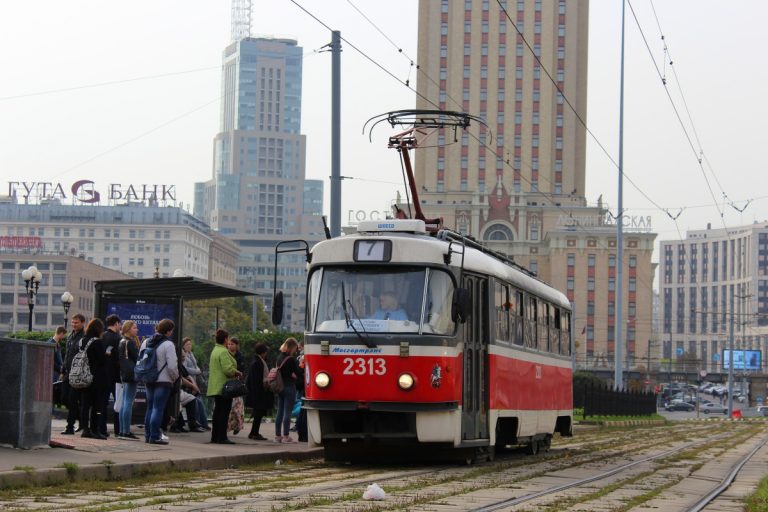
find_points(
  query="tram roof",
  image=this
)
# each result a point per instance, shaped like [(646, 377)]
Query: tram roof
[(410, 248)]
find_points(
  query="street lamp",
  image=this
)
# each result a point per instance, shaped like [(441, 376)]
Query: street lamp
[(32, 278), (66, 301)]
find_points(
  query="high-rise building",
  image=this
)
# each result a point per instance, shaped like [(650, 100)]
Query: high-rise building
[(712, 278), (516, 182), (256, 196), (532, 144)]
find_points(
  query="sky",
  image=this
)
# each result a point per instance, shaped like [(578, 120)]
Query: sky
[(128, 92)]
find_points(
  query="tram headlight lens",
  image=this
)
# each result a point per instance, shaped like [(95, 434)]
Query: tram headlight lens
[(322, 380), (405, 381)]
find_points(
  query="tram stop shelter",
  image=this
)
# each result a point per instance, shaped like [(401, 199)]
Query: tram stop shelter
[(147, 301)]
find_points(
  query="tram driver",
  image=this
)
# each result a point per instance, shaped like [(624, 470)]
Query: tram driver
[(389, 308)]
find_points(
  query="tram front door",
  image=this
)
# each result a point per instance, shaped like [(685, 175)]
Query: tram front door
[(474, 419)]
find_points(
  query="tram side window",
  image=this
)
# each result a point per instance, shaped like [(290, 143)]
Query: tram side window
[(565, 335), (531, 315), (543, 326), (555, 333), (502, 305), (516, 317)]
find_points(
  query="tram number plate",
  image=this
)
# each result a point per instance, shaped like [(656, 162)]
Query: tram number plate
[(363, 366)]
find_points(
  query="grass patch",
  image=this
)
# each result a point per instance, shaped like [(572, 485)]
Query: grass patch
[(26, 469), (758, 501), (71, 468)]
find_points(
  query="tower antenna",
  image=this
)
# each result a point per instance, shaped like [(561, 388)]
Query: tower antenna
[(241, 19)]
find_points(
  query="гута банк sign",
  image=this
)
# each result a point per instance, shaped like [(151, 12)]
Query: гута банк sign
[(85, 191)]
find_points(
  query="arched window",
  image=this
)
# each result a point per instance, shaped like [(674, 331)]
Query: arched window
[(499, 232)]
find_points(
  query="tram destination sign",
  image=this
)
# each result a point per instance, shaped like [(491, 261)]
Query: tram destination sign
[(87, 192)]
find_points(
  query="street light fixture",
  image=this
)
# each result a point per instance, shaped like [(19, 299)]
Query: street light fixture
[(32, 278), (66, 301)]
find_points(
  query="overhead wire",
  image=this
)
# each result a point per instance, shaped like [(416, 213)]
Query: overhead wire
[(107, 83)]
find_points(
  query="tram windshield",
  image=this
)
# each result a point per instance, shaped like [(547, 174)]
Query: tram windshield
[(375, 300)]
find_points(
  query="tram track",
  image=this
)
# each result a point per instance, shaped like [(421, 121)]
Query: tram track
[(315, 486)]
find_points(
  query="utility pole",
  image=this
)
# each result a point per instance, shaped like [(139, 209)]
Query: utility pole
[(335, 133), (618, 376), (730, 365)]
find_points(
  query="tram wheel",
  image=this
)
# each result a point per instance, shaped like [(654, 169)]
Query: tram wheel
[(533, 447), (545, 444)]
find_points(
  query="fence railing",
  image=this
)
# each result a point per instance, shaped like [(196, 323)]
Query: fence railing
[(600, 400)]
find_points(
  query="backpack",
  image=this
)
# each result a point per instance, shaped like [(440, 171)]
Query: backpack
[(275, 379), (80, 376), (146, 370)]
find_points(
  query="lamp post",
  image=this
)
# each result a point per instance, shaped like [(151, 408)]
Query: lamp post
[(66, 301), (32, 278)]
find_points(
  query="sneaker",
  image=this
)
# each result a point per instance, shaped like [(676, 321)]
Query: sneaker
[(163, 437), (131, 436), (68, 432), (278, 439), (288, 439)]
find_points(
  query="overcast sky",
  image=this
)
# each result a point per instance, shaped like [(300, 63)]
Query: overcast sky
[(154, 117)]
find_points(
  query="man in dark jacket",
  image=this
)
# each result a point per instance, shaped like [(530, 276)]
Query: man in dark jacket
[(72, 395), (110, 342)]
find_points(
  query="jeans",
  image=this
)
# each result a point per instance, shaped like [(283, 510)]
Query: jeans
[(285, 402), (126, 408), (157, 397)]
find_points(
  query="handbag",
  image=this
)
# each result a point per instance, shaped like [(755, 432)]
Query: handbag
[(234, 388), (126, 365)]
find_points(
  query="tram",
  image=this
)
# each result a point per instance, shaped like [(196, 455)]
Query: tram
[(422, 340), (474, 354)]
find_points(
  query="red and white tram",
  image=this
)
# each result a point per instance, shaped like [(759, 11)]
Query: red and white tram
[(473, 356)]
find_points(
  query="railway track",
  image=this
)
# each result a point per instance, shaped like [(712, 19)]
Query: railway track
[(621, 469)]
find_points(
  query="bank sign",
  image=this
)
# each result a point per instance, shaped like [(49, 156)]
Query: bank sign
[(86, 191)]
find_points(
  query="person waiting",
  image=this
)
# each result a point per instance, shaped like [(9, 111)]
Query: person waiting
[(389, 308)]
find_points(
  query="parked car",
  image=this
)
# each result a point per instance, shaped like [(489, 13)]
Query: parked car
[(709, 407), (679, 406)]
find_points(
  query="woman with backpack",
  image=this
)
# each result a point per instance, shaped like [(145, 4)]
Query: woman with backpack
[(222, 366), (128, 354), (290, 372), (91, 397), (165, 373)]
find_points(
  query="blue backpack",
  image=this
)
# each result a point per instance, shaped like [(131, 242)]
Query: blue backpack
[(146, 370)]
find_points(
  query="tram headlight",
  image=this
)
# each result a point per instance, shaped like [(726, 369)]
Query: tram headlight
[(322, 380), (405, 381)]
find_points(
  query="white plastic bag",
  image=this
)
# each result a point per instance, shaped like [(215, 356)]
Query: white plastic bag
[(374, 492)]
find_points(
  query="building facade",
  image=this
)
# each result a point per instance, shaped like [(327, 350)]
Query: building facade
[(60, 273), (515, 181), (256, 196), (712, 281), (137, 240)]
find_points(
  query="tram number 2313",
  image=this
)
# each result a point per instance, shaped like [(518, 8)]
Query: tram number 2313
[(364, 366)]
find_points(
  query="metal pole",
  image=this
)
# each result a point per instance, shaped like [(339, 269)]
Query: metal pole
[(730, 366), (31, 301), (618, 377), (335, 133)]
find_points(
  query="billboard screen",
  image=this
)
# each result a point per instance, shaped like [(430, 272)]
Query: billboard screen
[(743, 359), (146, 313)]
